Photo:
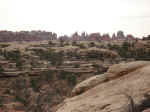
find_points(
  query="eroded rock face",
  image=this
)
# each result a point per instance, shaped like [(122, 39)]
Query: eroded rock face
[(111, 96)]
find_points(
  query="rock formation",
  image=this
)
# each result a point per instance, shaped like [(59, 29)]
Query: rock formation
[(127, 90), (8, 36), (98, 53)]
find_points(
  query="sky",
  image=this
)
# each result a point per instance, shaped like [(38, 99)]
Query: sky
[(69, 16)]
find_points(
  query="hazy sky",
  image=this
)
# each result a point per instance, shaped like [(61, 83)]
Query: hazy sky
[(68, 16)]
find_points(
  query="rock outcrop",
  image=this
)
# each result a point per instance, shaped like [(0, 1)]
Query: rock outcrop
[(9, 36), (89, 83), (128, 88), (113, 72), (98, 53), (118, 70)]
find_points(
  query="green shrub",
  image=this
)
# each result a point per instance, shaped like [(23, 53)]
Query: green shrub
[(91, 44), (77, 65), (71, 80), (82, 46), (12, 55), (19, 64), (63, 75), (47, 75), (69, 77), (21, 100), (34, 85), (1, 101), (4, 45), (1, 69), (74, 43)]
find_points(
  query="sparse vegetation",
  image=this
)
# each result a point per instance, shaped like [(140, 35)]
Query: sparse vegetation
[(77, 65), (4, 45), (1, 69), (91, 44), (12, 55), (71, 78), (34, 85), (21, 100), (40, 75), (1, 101), (19, 64)]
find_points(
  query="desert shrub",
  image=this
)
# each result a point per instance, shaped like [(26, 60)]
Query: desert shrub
[(47, 75), (7, 91), (58, 91), (91, 44), (12, 55), (77, 65), (62, 43), (21, 100), (56, 58), (19, 64), (66, 44), (4, 45), (128, 50), (1, 69), (50, 42), (1, 101), (34, 108), (82, 46), (73, 54), (97, 67), (34, 85), (19, 83), (71, 79), (93, 55), (20, 87), (74, 43), (1, 52), (63, 75)]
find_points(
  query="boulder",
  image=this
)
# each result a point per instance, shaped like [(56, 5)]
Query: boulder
[(122, 94), (114, 71), (121, 69), (89, 83)]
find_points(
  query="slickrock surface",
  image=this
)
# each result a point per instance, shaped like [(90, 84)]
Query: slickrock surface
[(129, 80), (89, 83)]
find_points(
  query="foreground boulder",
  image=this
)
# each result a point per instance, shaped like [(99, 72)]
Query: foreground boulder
[(113, 72), (89, 83), (126, 92)]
